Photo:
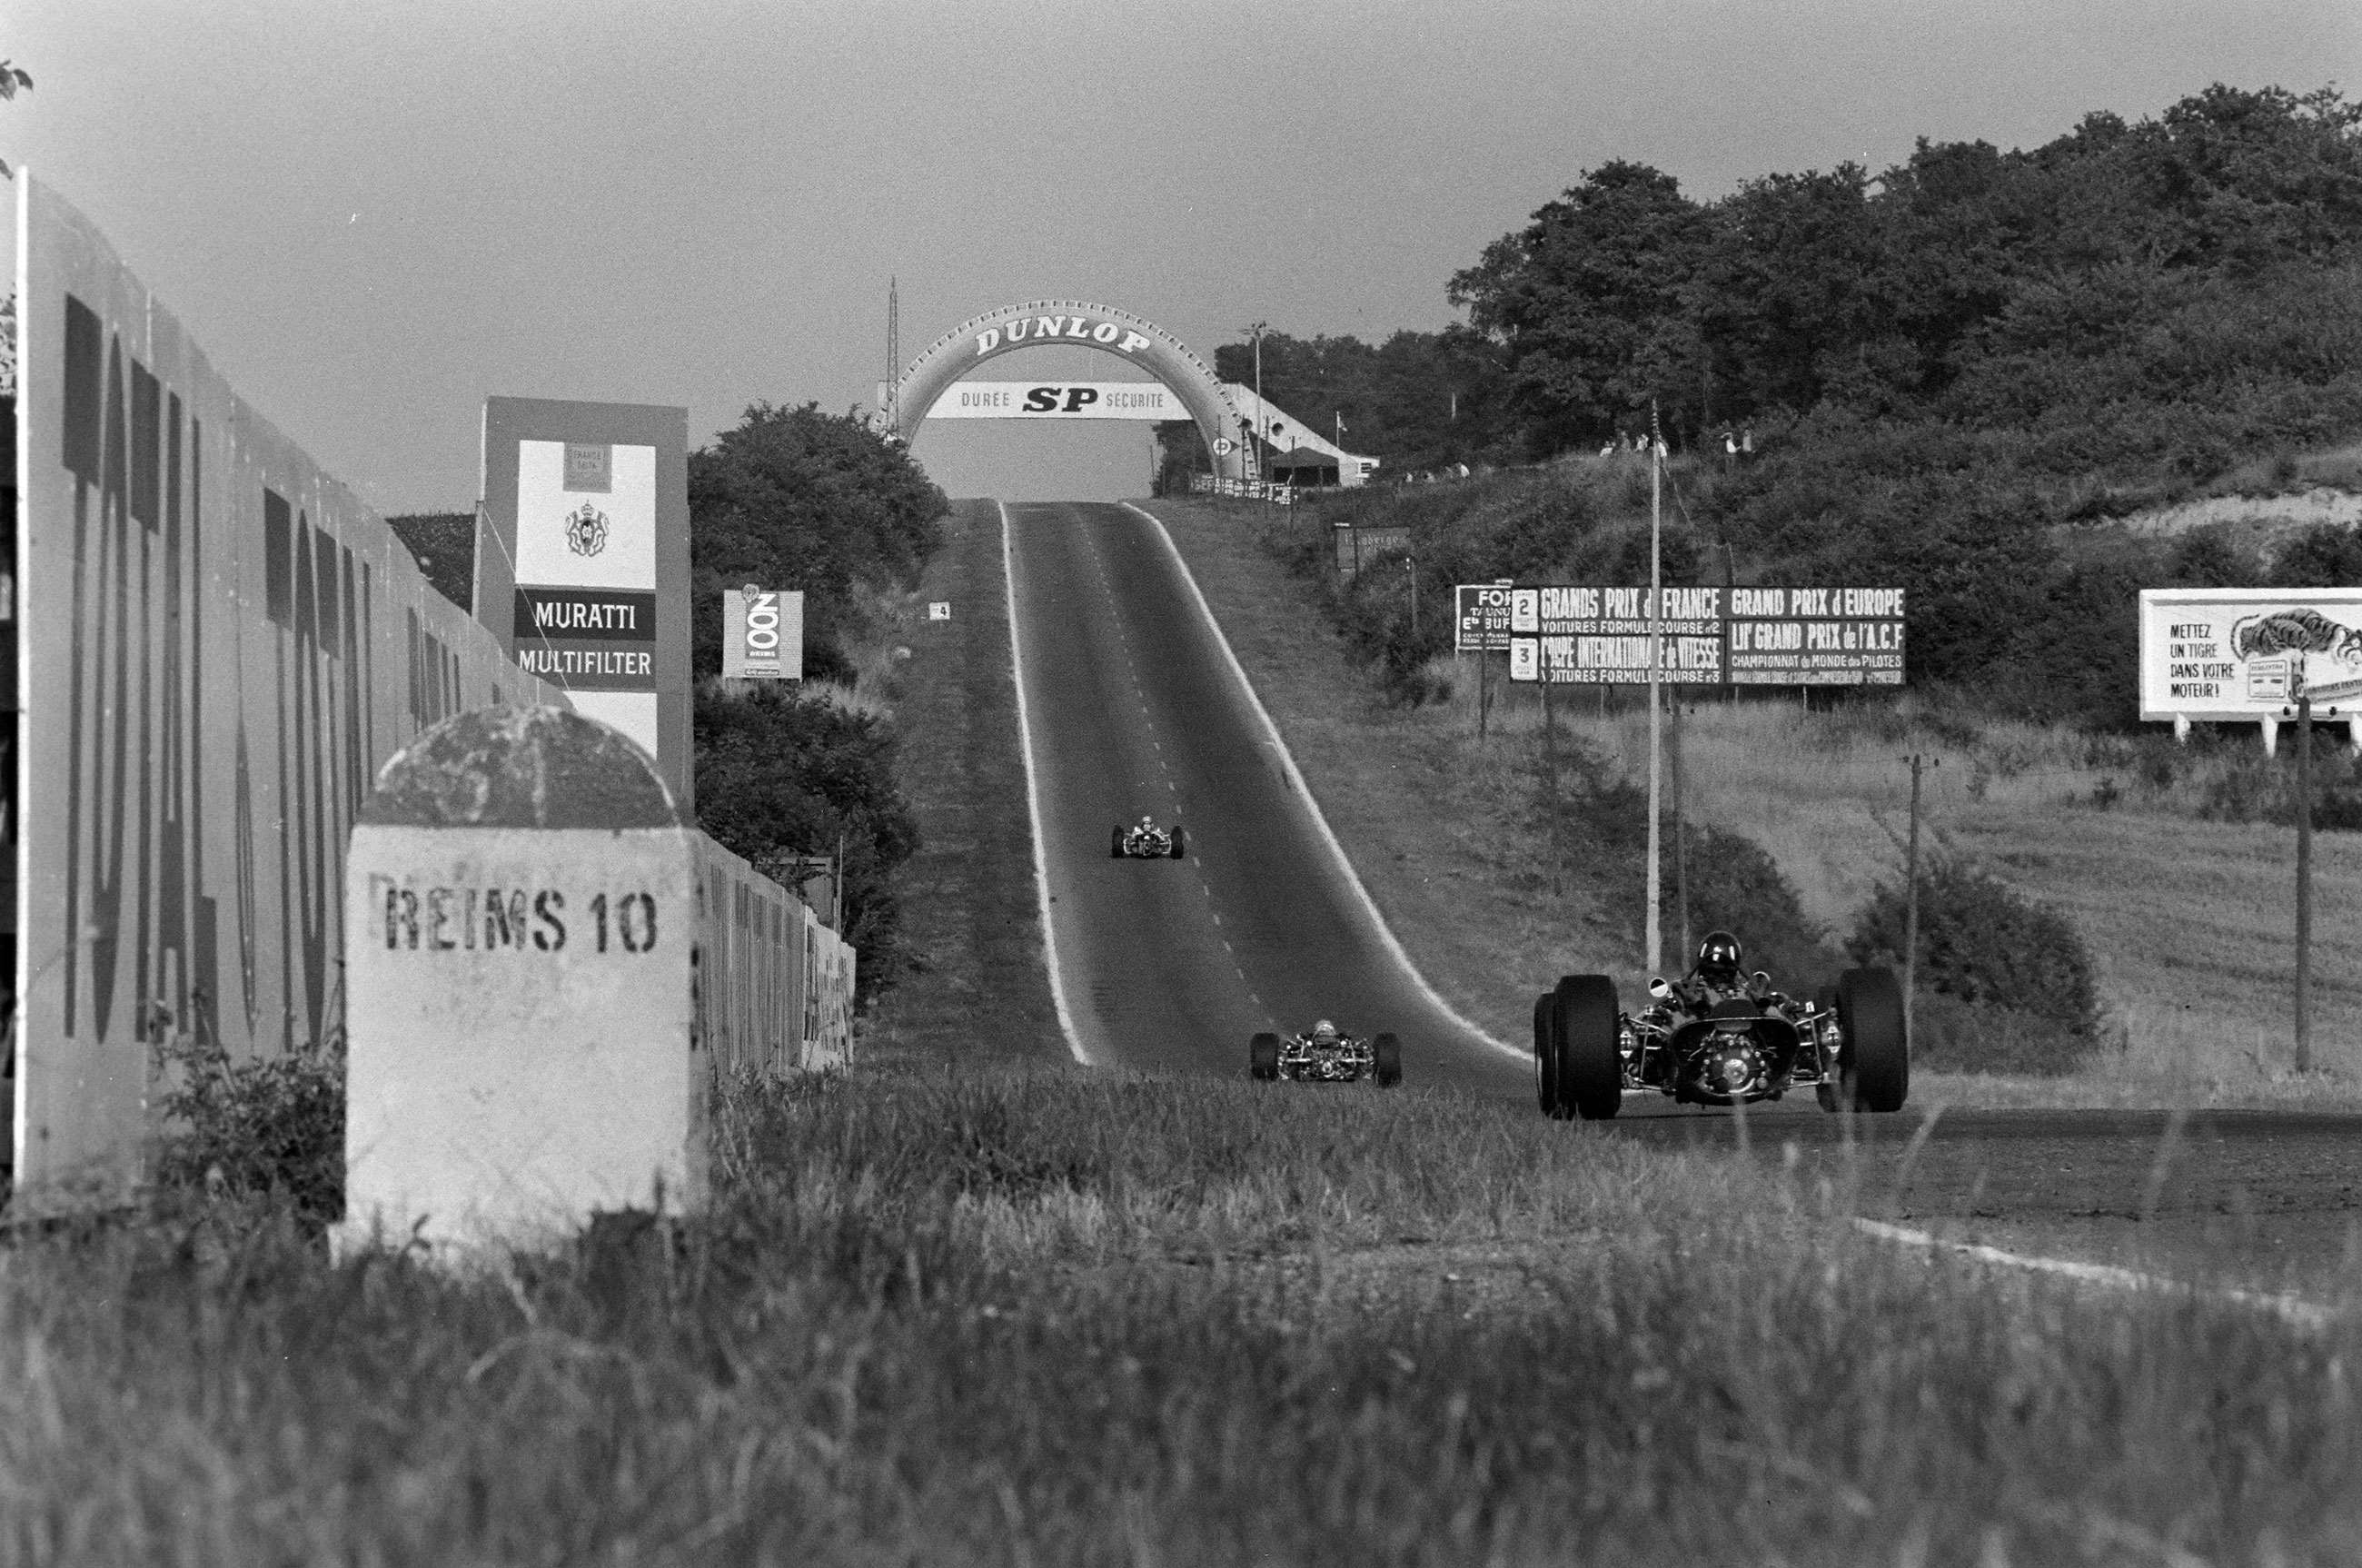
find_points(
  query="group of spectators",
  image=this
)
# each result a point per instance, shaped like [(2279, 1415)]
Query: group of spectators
[(1736, 443)]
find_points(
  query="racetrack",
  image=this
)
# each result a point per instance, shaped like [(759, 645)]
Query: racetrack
[(1132, 706)]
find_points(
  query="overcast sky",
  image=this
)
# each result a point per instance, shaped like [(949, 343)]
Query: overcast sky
[(374, 216)]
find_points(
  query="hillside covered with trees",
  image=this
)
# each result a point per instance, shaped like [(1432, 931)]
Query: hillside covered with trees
[(1954, 374)]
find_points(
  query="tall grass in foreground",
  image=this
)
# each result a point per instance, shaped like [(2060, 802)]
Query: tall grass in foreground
[(1058, 1318)]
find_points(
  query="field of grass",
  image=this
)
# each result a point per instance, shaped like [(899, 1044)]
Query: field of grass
[(2192, 921), (1047, 1316)]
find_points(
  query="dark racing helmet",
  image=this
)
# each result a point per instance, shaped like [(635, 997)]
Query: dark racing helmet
[(1719, 959)]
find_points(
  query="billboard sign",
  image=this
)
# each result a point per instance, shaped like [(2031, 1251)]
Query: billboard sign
[(2248, 652), (1816, 636), (1583, 635), (762, 634), (1058, 399), (582, 561), (1481, 618)]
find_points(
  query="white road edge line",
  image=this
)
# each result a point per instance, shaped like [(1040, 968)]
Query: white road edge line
[(1304, 791), (1034, 799), (2293, 1309)]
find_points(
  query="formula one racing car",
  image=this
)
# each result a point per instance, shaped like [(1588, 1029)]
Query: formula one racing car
[(1147, 841), (1720, 1036), (1325, 1054)]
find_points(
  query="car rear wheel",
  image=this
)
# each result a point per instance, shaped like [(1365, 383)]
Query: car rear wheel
[(1584, 1029), (1178, 841), (1115, 844), (1262, 1057), (1388, 1050), (1877, 1055), (1545, 1054)]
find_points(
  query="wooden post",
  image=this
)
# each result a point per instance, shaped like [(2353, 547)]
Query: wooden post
[(1911, 901), (1550, 774), (1681, 833), (1654, 936), (2303, 882), (1483, 688)]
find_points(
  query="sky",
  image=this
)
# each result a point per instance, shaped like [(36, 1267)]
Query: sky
[(374, 216)]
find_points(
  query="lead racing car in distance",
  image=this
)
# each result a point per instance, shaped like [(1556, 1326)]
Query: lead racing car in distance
[(1326, 1054), (1145, 841), (1721, 1037)]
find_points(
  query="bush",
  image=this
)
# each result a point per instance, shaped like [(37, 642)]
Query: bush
[(779, 772), (271, 1127), (2017, 969)]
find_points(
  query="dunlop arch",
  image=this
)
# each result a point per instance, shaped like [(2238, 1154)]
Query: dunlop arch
[(1075, 323)]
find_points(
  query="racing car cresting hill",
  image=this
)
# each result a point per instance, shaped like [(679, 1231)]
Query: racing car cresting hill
[(1324, 1053), (1720, 1036), (1145, 841)]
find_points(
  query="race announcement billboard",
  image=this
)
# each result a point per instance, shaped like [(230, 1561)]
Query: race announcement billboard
[(2248, 652), (762, 634), (1578, 634)]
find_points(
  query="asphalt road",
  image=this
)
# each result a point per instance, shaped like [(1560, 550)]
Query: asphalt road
[(1133, 707)]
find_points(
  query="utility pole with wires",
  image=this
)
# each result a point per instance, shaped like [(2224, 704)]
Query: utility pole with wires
[(1654, 930), (1911, 894)]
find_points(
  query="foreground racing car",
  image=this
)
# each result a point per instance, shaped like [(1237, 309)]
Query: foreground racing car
[(1145, 841), (1720, 1036), (1325, 1054)]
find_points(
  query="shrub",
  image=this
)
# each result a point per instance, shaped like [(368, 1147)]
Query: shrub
[(270, 1127), (2017, 966), (779, 772)]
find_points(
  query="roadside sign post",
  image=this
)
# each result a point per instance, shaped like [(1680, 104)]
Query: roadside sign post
[(2260, 656), (2303, 881), (1655, 937)]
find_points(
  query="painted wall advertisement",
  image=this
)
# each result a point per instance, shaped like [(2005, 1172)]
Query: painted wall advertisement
[(1578, 634), (762, 634), (2250, 652)]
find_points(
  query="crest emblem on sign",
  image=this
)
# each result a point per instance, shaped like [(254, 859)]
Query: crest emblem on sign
[(586, 530)]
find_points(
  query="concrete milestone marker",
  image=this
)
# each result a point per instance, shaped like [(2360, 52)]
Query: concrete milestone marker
[(520, 920)]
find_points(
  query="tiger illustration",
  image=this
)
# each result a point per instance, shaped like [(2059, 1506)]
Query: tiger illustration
[(2296, 631)]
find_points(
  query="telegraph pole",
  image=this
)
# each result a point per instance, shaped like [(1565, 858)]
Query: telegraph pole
[(1911, 901), (1655, 934)]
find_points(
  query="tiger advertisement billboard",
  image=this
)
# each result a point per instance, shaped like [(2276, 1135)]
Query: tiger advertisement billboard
[(2248, 652)]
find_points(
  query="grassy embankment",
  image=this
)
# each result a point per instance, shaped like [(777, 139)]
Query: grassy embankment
[(2190, 921), (950, 1307), (1051, 1317)]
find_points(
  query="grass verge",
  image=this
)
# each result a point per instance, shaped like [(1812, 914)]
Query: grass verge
[(977, 984), (1008, 1317)]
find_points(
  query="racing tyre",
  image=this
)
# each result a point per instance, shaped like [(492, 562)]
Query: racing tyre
[(1115, 844), (1545, 1054), (1179, 844), (1262, 1057), (1584, 1029), (1877, 1057), (1388, 1050)]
